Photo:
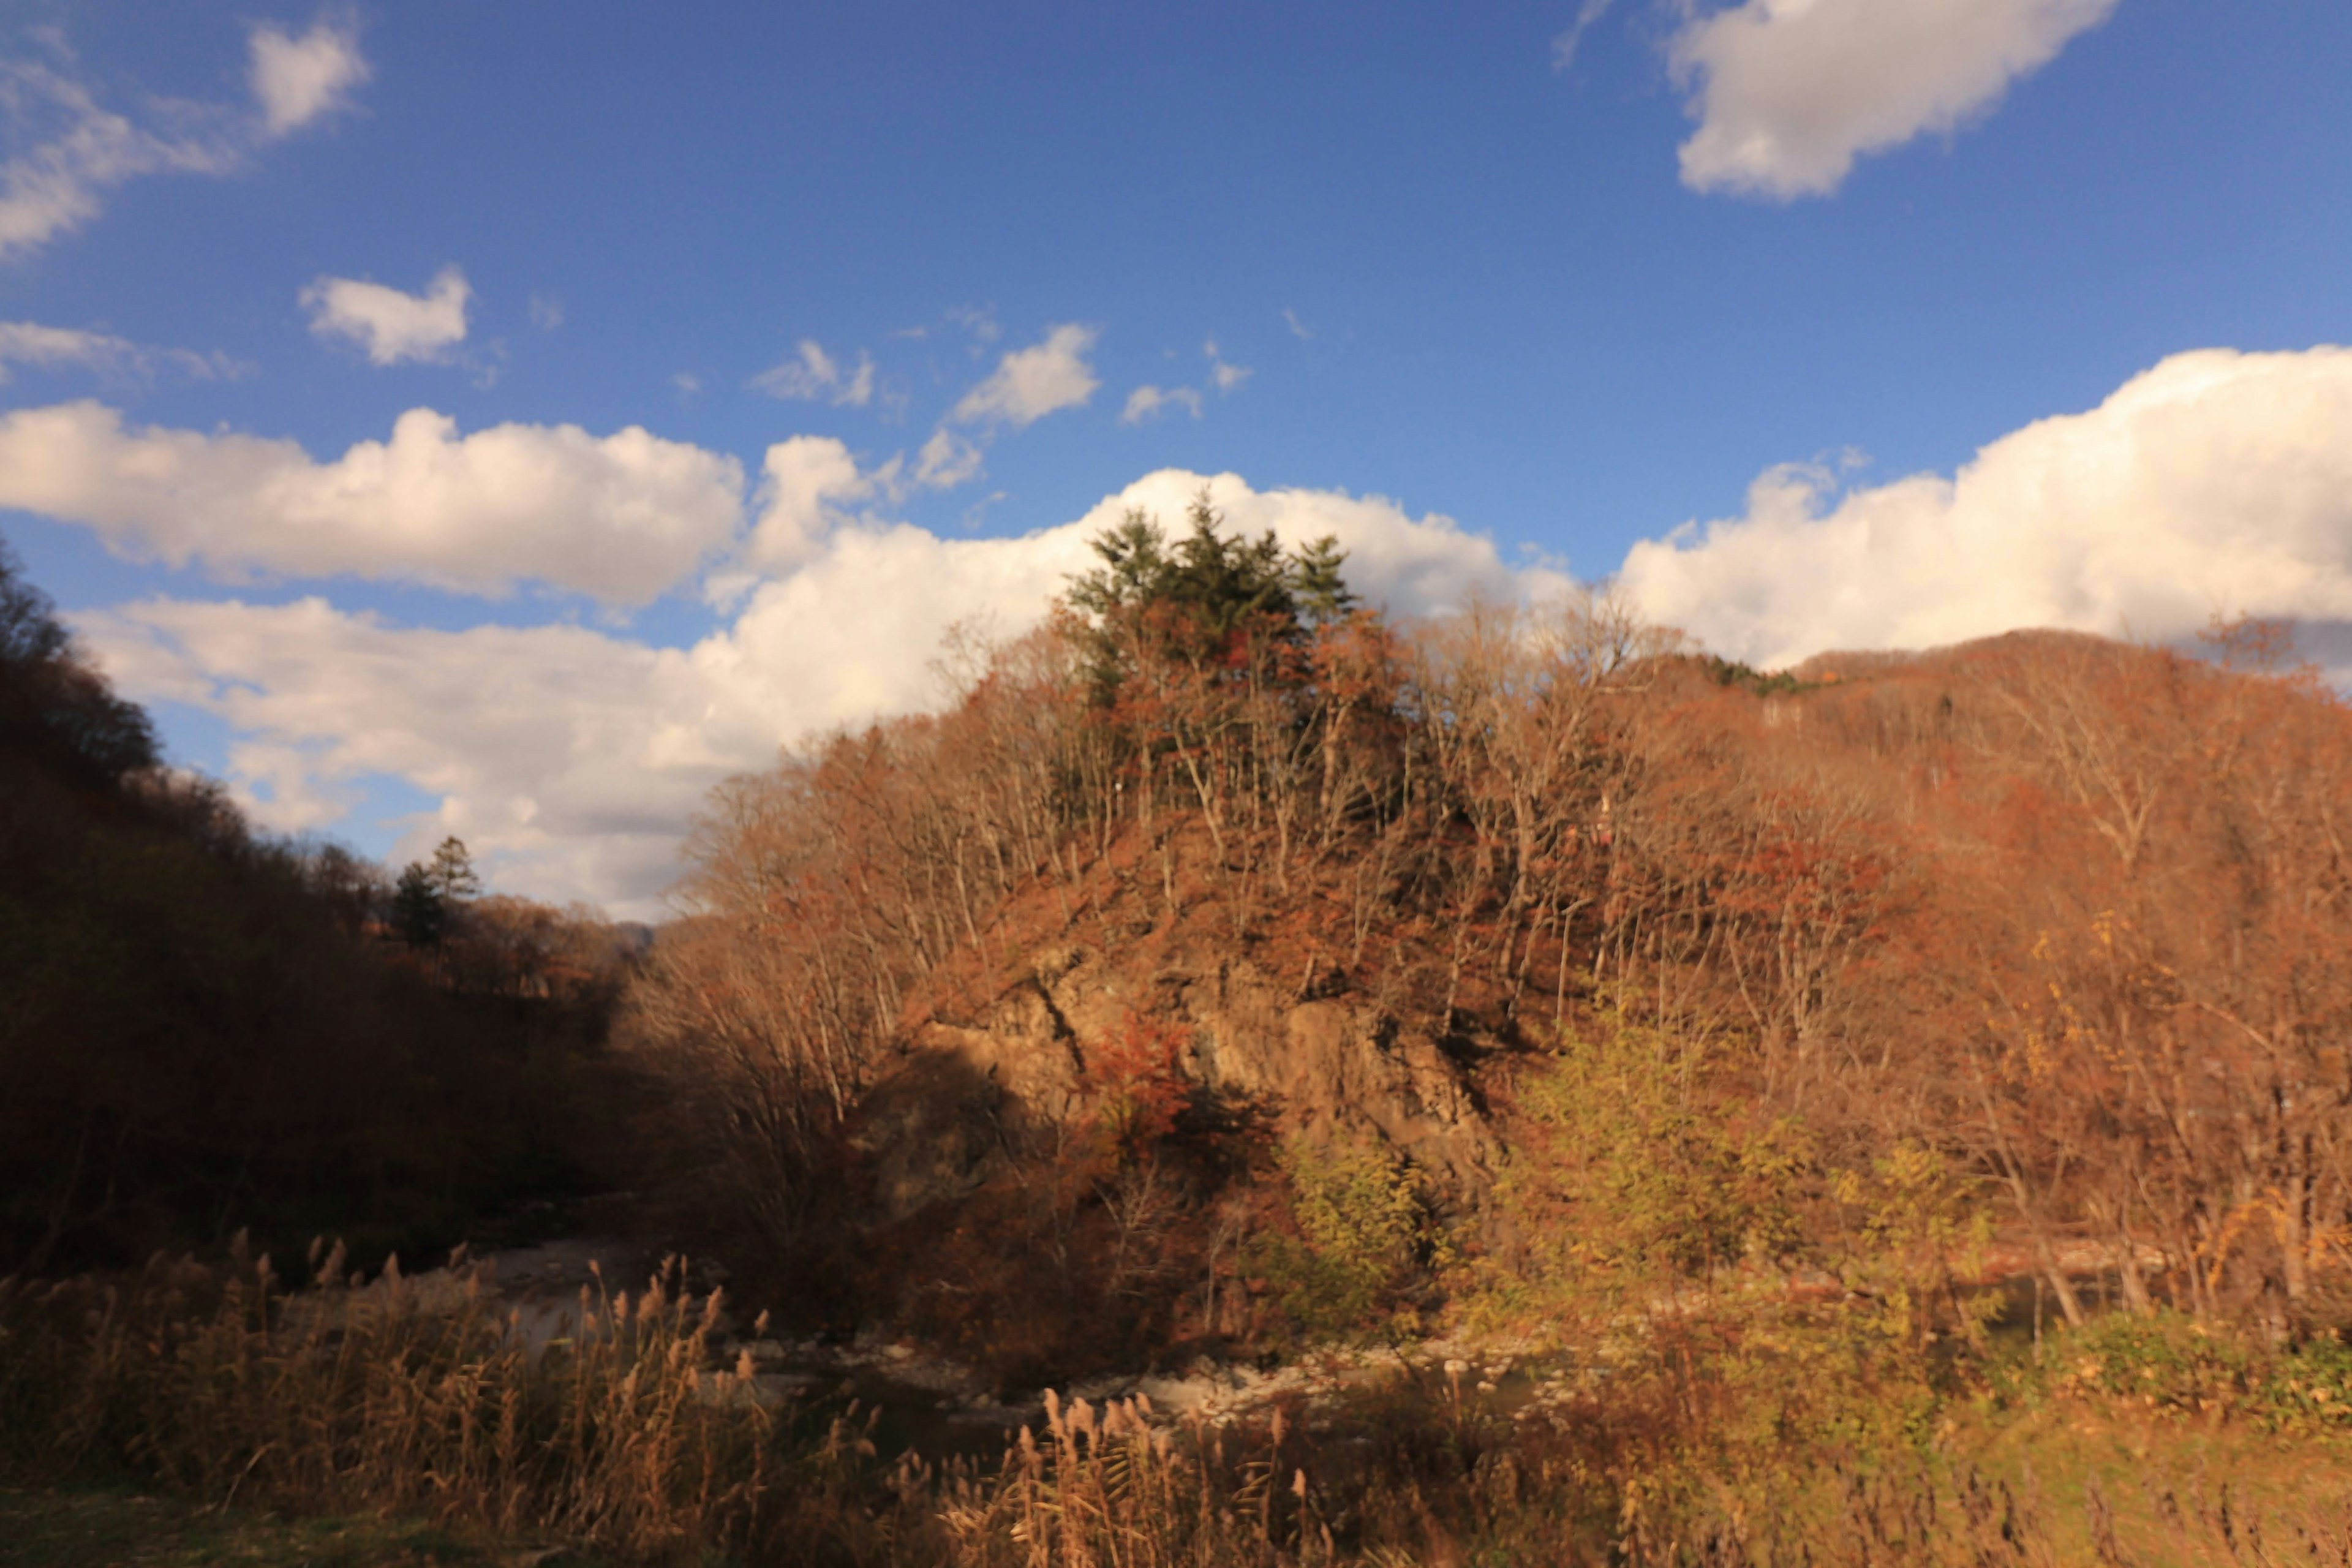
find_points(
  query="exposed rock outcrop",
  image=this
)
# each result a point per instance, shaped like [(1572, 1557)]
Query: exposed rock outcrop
[(1323, 1067)]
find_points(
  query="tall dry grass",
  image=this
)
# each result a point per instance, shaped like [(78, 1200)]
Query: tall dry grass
[(1112, 1485), (422, 1397), (430, 1397)]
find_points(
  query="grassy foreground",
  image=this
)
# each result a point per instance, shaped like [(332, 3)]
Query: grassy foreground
[(124, 1529), (2051, 1487), (415, 1423)]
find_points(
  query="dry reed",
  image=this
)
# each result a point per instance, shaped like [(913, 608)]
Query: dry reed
[(432, 1398), (423, 1397)]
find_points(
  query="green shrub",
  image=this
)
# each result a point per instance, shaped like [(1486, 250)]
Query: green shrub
[(2164, 1361), (1366, 1236), (2170, 1362)]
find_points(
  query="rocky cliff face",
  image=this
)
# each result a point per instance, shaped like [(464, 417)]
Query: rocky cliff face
[(972, 1084)]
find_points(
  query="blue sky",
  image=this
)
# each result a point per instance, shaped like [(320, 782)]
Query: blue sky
[(1548, 305)]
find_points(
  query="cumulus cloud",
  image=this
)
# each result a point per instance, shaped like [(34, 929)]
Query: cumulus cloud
[(2217, 483), (298, 80), (805, 482), (812, 375), (622, 517), (1787, 93), (574, 758), (1148, 402), (390, 325), (1029, 384), (115, 359)]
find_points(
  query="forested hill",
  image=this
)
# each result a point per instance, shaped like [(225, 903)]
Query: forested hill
[(203, 1029), (1231, 964)]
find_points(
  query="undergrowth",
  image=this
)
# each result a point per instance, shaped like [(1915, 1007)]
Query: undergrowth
[(1725, 1438)]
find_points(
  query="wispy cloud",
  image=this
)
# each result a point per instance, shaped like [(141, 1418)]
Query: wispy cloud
[(79, 149), (978, 324), (30, 345), (1222, 374), (947, 460), (1147, 403), (813, 375), (1565, 45), (1297, 328), (57, 185)]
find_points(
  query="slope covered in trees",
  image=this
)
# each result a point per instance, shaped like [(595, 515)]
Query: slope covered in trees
[(1226, 952), (204, 1030)]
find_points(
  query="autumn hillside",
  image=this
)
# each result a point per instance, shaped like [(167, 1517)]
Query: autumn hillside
[(1231, 966)]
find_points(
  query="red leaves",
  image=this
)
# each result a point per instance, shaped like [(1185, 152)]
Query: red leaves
[(1139, 1083)]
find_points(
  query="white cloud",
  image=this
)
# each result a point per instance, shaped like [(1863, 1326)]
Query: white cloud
[(390, 325), (298, 81), (80, 149), (55, 187), (28, 343), (622, 517), (1225, 378), (946, 462), (546, 312), (813, 375), (981, 324), (2217, 483), (1297, 328), (568, 757), (1029, 384), (1565, 45), (1790, 92), (1151, 402), (113, 358), (804, 480), (574, 758)]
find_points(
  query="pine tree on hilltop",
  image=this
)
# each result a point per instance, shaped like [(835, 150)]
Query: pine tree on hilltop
[(452, 871), (419, 915), (1193, 598)]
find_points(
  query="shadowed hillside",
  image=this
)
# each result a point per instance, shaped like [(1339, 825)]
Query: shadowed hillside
[(205, 1030)]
